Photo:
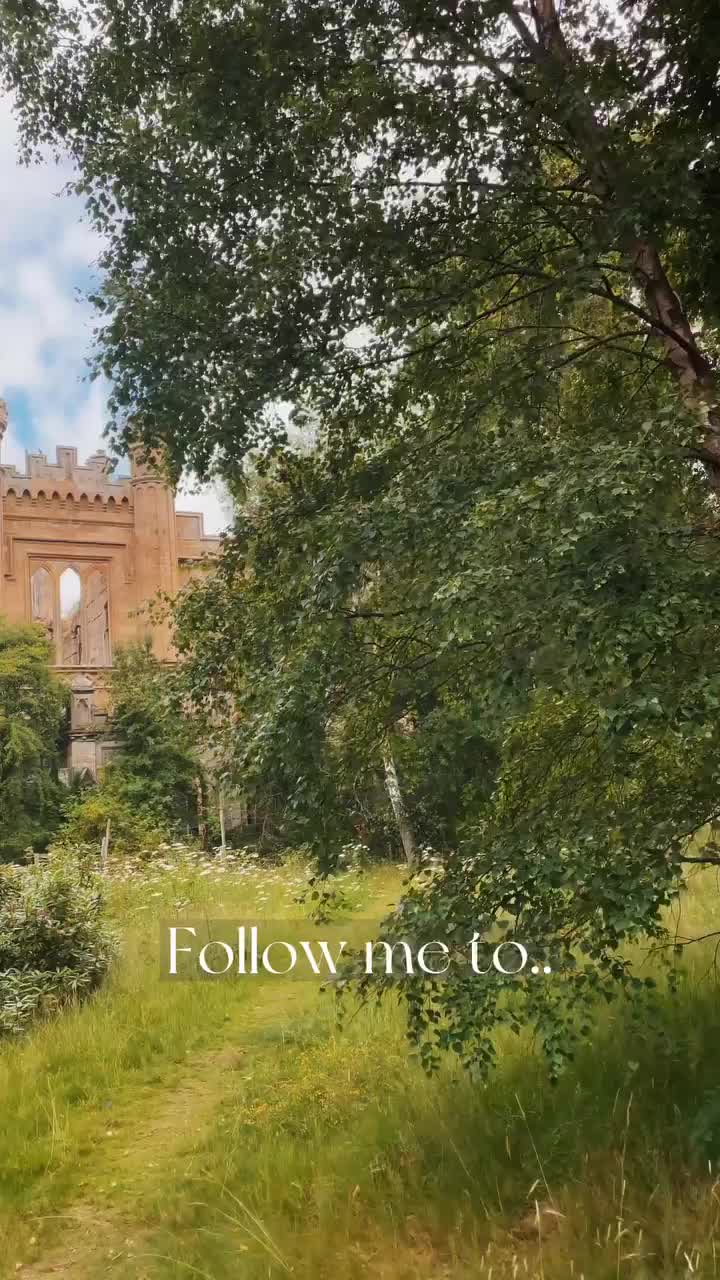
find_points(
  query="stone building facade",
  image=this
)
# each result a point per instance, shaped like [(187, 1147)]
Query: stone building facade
[(83, 554)]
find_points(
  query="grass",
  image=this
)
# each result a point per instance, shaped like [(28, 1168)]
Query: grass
[(231, 1130)]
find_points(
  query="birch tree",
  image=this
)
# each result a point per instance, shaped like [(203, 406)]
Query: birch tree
[(476, 246)]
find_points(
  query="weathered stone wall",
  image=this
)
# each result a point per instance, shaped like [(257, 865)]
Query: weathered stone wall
[(84, 553)]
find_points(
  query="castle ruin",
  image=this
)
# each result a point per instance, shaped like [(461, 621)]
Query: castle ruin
[(83, 554)]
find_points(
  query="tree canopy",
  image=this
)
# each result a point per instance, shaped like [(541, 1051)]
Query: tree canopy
[(437, 178), (473, 248)]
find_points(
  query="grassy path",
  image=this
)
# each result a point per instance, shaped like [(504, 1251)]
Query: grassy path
[(230, 1131), (105, 1228), (107, 1108)]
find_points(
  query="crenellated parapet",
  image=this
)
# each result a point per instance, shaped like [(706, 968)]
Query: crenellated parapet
[(66, 480)]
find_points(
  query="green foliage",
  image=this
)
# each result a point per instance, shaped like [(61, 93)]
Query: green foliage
[(148, 791), (54, 943), (87, 816), (533, 634), (346, 1123), (32, 703), (314, 145), (705, 1128), (448, 764), (324, 901), (26, 995), (151, 783), (463, 244)]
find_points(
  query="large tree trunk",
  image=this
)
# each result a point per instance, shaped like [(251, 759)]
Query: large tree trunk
[(407, 834), (690, 368), (663, 310)]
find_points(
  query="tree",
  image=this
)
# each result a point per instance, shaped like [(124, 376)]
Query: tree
[(477, 247), (275, 177), (149, 789), (32, 703), (156, 769), (311, 677), (547, 624)]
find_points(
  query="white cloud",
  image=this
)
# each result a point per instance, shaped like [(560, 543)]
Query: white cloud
[(13, 451), (211, 500), (28, 203), (46, 252)]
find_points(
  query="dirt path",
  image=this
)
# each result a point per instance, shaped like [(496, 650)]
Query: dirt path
[(100, 1233)]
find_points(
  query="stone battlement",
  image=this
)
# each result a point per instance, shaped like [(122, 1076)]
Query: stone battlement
[(66, 479)]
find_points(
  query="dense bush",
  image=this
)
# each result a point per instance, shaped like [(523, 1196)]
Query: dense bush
[(87, 816), (32, 703), (54, 943), (156, 771)]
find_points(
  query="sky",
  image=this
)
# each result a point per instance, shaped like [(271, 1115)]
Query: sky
[(47, 259)]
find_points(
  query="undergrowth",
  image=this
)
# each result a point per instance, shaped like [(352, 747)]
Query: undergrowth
[(232, 1130)]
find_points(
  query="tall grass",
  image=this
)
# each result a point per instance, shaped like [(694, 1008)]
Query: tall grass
[(251, 1138)]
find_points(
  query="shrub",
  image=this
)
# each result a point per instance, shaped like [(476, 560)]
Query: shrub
[(156, 770), (54, 943), (87, 817), (27, 995)]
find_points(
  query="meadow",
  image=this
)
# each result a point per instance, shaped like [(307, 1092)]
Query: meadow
[(234, 1130)]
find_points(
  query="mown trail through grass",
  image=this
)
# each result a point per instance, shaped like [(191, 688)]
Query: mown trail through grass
[(102, 1105), (104, 1228), (231, 1129)]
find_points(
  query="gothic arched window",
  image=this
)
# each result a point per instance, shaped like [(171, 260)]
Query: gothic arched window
[(42, 593), (97, 620), (71, 637), (73, 604)]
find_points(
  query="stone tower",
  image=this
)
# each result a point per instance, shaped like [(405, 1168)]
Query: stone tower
[(155, 537)]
